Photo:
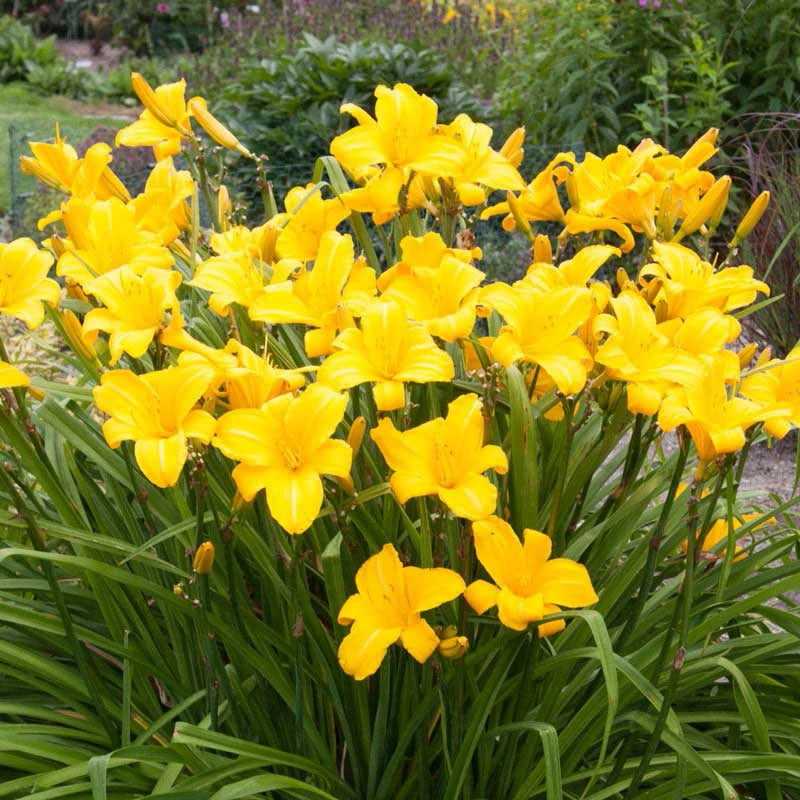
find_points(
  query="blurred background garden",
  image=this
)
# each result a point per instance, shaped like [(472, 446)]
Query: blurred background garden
[(578, 75)]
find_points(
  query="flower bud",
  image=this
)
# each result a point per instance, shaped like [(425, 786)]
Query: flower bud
[(239, 503), (203, 558), (542, 250), (224, 207), (711, 207), (453, 647), (214, 128), (519, 217), (746, 355), (512, 147), (356, 434), (751, 218), (149, 99)]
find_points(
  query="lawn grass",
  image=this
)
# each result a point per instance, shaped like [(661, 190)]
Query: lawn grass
[(35, 117)]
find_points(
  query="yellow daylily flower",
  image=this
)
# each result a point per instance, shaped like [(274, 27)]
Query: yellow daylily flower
[(482, 168), (157, 411), (231, 278), (285, 447), (539, 200), (716, 422), (639, 354), (162, 208), (24, 284), (134, 308), (403, 134), (379, 196), (389, 351), (104, 235), (326, 297), (55, 165), (541, 330), (11, 377), (528, 583), (688, 283), (445, 457), (307, 219), (387, 608), (717, 533), (443, 300), (777, 386), (163, 124)]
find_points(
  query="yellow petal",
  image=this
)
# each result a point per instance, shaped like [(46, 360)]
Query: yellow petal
[(294, 498), (428, 588), (516, 612), (420, 640), (565, 583), (161, 460), (498, 549), (363, 649), (473, 497), (481, 595)]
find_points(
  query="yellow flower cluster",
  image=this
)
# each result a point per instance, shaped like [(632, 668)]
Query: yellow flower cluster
[(133, 268)]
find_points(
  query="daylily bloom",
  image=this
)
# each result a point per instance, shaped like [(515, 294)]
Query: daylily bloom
[(688, 283), (482, 168), (639, 354), (10, 376), (307, 219), (285, 447), (162, 207), (541, 330), (231, 278), (104, 235), (389, 351), (442, 300), (387, 607), (326, 297), (716, 422), (403, 134), (164, 123), (24, 284), (445, 457), (134, 307), (528, 583), (157, 411), (718, 532), (777, 385)]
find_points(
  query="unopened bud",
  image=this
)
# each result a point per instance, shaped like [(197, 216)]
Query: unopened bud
[(751, 218), (224, 207), (542, 250), (512, 147), (356, 434), (764, 357), (177, 589), (519, 217), (149, 99), (452, 646), (746, 355), (711, 207), (214, 128), (203, 558)]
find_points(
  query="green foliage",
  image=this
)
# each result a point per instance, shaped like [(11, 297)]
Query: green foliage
[(290, 104), (20, 52)]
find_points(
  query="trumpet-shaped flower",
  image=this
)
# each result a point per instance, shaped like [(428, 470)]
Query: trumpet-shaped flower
[(638, 353), (163, 124), (541, 330), (162, 207), (307, 219), (445, 457), (389, 351), (777, 385), (157, 411), (24, 284), (387, 608), (527, 583), (284, 447), (403, 134), (716, 422), (442, 300), (134, 307), (481, 167), (104, 235), (231, 278), (326, 297), (688, 283)]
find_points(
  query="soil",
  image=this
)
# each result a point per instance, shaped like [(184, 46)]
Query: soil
[(80, 52)]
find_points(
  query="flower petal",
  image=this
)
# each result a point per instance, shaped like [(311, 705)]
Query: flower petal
[(420, 640), (294, 498), (428, 588)]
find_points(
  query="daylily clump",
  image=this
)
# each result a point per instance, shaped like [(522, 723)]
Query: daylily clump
[(277, 354)]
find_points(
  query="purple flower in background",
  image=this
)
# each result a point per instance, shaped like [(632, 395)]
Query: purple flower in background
[(162, 8)]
